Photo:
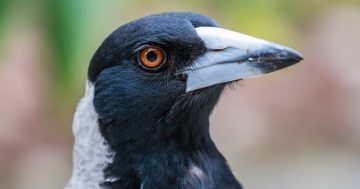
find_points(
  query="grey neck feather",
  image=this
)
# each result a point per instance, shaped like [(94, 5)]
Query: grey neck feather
[(91, 153)]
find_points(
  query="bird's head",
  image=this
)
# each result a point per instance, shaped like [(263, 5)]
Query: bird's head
[(170, 69)]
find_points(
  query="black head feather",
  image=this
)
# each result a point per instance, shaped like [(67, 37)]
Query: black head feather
[(173, 31), (157, 131)]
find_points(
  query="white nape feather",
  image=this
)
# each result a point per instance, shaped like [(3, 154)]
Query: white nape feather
[(91, 153)]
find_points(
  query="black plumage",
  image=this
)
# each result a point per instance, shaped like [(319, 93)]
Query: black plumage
[(157, 130)]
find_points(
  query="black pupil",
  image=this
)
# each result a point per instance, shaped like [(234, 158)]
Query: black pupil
[(151, 56)]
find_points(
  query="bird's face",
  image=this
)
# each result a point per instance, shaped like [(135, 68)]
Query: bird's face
[(167, 63)]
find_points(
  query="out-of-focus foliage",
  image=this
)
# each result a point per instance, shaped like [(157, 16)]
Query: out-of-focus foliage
[(3, 11)]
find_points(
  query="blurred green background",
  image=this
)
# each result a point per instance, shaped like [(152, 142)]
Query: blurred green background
[(297, 128)]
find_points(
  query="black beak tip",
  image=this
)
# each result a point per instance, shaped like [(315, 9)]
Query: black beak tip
[(298, 57), (285, 58), (294, 56)]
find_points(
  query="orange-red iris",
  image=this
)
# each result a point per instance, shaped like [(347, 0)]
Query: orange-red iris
[(151, 57)]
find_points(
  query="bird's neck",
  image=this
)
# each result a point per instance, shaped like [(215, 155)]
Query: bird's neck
[(180, 154), (181, 161)]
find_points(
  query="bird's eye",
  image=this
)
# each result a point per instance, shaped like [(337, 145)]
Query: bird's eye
[(151, 57)]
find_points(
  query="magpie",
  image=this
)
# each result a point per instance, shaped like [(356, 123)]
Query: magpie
[(152, 84)]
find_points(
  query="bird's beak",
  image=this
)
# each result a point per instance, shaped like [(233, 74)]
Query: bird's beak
[(233, 56)]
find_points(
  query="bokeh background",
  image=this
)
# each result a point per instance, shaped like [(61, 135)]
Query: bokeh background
[(297, 128)]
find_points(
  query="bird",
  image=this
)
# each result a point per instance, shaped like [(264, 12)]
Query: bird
[(151, 86)]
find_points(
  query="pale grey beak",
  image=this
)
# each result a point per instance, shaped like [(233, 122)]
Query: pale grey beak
[(233, 56)]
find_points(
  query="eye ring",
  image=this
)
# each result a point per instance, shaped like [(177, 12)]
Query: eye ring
[(151, 57)]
